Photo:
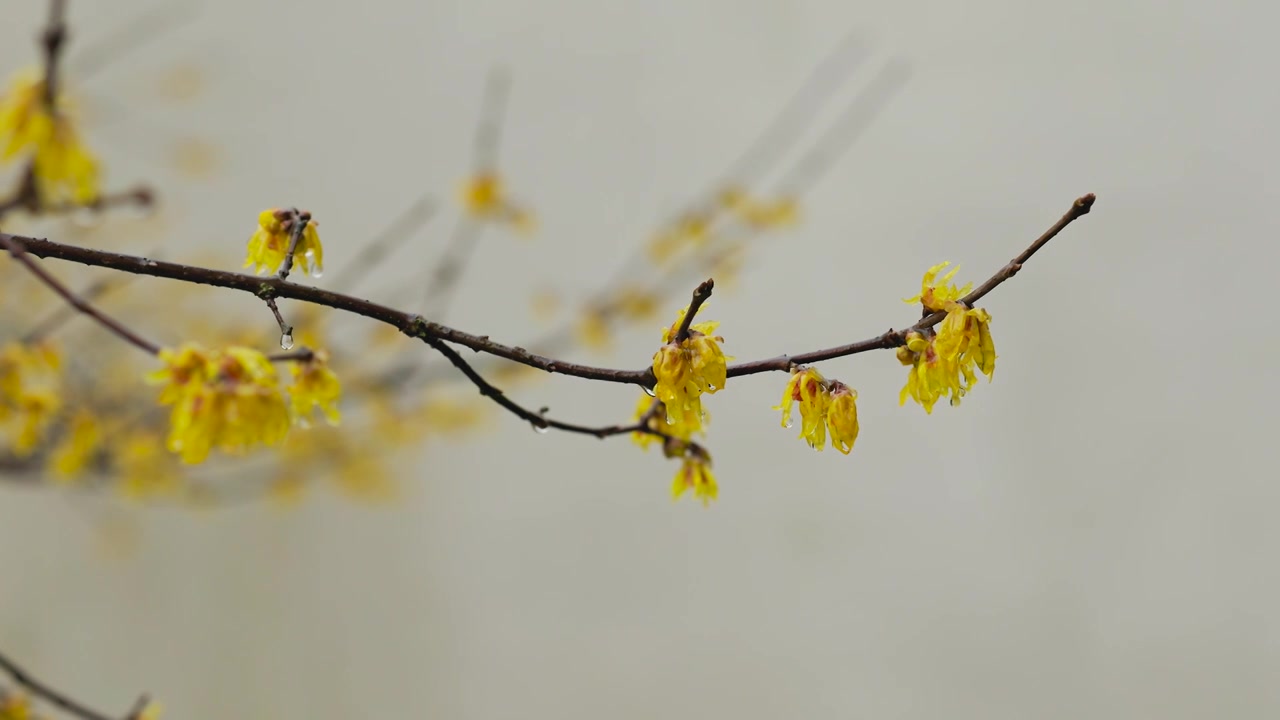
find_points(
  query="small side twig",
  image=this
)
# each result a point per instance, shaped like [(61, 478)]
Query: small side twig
[(115, 326), (55, 697), (701, 294), (300, 220), (286, 330)]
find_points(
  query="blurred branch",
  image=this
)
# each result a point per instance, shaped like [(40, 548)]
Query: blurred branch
[(47, 693)]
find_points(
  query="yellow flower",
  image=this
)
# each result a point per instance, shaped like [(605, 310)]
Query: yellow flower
[(78, 448), (757, 213), (229, 399), (142, 467), (15, 706), (315, 385), (270, 243), (842, 417), (30, 393), (936, 292), (931, 376), (484, 196), (150, 712), (964, 340), (685, 370), (808, 388), (695, 474), (693, 229), (64, 168)]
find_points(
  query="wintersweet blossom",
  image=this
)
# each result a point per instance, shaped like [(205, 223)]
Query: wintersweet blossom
[(78, 448), (315, 386), (484, 196), (229, 399), (695, 474), (269, 244), (686, 369), (809, 388), (30, 394), (758, 213), (842, 417), (31, 126), (945, 361), (936, 292)]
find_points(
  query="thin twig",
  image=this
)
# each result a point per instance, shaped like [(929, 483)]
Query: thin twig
[(372, 253), (701, 294), (300, 220), (63, 313), (49, 694), (285, 328), (19, 253), (52, 40)]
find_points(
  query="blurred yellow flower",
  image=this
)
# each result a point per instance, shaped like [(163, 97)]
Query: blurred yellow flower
[(484, 196), (229, 399), (757, 213), (142, 468), (78, 447), (15, 706), (695, 474), (64, 168), (315, 385), (30, 394), (269, 244)]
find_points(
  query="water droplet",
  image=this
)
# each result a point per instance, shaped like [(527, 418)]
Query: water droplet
[(711, 388), (542, 429), (317, 273), (789, 423), (649, 391), (670, 420), (309, 254), (286, 342)]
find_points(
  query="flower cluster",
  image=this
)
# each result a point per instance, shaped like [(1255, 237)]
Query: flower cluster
[(945, 362), (33, 125), (685, 369), (30, 394), (269, 244), (229, 399), (825, 406), (484, 196)]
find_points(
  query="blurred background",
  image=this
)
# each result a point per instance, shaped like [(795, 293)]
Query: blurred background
[(1090, 535)]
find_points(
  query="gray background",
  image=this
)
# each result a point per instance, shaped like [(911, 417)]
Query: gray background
[(1091, 535)]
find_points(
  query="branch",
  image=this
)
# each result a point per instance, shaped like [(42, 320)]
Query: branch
[(418, 326), (701, 294), (408, 323), (895, 338), (50, 695), (300, 220), (18, 252)]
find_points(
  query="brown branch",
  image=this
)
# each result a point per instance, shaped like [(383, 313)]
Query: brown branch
[(300, 220), (53, 40), (701, 294), (894, 338), (437, 335), (408, 323), (50, 695), (18, 252), (286, 330)]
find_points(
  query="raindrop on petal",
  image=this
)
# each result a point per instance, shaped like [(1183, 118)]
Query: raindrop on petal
[(286, 342)]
